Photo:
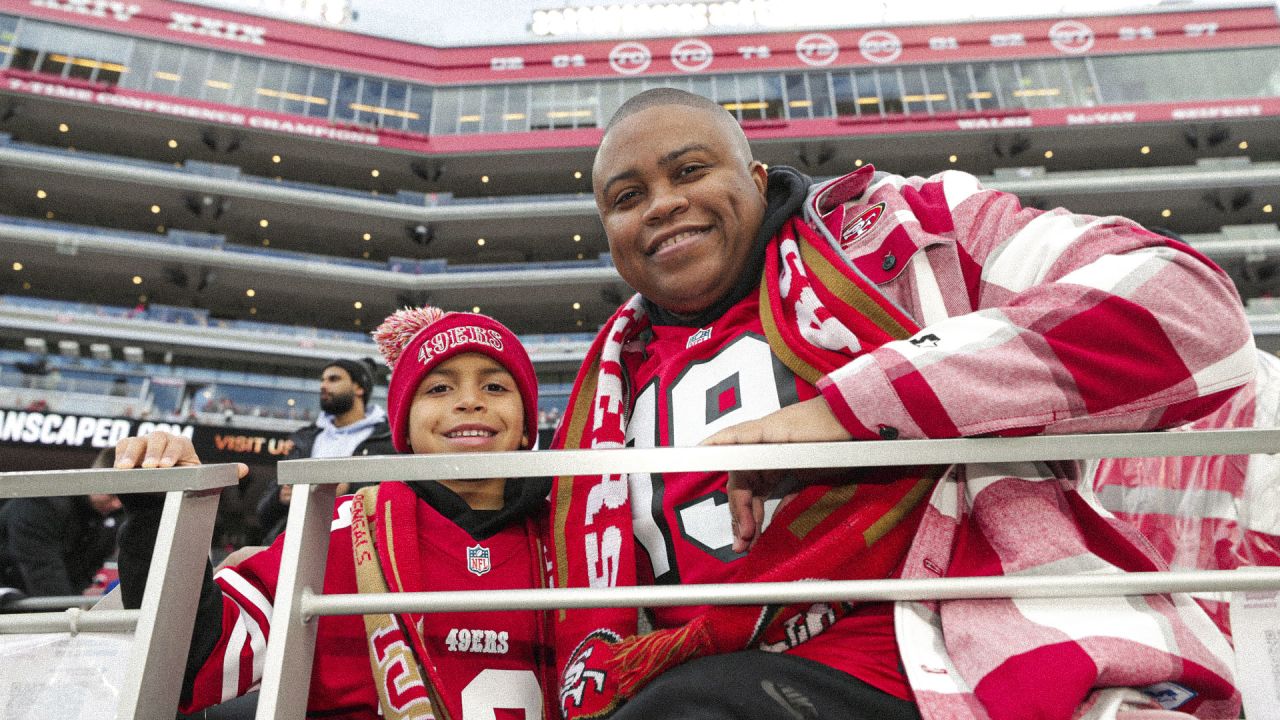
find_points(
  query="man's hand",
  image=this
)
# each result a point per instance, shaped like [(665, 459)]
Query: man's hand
[(160, 450), (808, 421)]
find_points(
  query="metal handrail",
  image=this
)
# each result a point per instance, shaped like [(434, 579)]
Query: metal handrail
[(785, 593), (793, 456), (50, 483)]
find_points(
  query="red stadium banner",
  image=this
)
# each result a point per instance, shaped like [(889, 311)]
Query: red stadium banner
[(114, 97), (868, 46)]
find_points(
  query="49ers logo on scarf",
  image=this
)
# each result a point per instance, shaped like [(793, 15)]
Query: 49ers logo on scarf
[(583, 675), (861, 225), (479, 561), (402, 689), (454, 337)]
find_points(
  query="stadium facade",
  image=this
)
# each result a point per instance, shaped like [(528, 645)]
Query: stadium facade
[(199, 206)]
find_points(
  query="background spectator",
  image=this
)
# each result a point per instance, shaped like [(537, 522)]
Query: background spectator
[(56, 545)]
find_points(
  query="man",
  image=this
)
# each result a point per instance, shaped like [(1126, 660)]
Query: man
[(349, 425), (56, 545), (873, 307)]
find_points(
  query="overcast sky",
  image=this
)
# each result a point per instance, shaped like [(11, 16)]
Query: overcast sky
[(486, 22)]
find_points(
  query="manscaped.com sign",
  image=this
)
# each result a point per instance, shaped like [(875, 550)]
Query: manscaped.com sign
[(212, 444)]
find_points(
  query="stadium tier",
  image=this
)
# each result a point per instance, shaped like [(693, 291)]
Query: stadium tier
[(189, 192)]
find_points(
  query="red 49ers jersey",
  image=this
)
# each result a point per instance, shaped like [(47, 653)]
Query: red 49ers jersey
[(690, 384), (487, 662)]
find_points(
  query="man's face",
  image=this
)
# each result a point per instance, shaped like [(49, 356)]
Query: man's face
[(337, 391), (467, 403), (681, 203)]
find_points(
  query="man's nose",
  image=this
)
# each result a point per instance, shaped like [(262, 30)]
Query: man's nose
[(664, 201)]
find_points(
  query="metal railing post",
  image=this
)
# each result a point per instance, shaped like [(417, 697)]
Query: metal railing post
[(293, 638), (163, 636)]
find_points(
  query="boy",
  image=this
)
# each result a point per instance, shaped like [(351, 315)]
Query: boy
[(460, 383)]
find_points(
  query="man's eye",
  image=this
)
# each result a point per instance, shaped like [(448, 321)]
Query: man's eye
[(691, 169), (625, 197)]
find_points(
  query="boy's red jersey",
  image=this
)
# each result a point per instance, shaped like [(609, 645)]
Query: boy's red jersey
[(487, 662)]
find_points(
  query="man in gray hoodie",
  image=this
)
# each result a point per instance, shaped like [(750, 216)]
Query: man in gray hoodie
[(348, 426)]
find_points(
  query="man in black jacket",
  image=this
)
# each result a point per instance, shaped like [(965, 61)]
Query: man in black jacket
[(348, 426)]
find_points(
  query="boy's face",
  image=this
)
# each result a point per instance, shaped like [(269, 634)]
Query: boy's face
[(681, 201), (468, 403)]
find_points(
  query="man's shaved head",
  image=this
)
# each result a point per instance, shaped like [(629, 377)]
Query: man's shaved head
[(666, 96), (679, 196)]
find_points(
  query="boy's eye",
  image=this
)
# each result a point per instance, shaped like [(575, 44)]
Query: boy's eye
[(495, 387), (436, 389)]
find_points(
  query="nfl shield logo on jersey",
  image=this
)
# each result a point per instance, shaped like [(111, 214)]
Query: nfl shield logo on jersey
[(478, 560)]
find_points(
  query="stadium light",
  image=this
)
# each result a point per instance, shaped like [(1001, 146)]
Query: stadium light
[(421, 234)]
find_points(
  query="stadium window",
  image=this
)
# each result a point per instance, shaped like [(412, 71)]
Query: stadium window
[(269, 90), (866, 90), (701, 85), (491, 104), (515, 113), (53, 63), (166, 70), (771, 95), (396, 102), (799, 105), (960, 83), (821, 92), (1083, 92), (1009, 81), (138, 62), (889, 90), (470, 110), (1039, 87), (420, 102), (986, 87), (541, 98), (319, 93), (294, 85), (937, 88), (369, 107), (346, 94), (217, 84), (845, 93), (195, 71), (915, 99), (444, 111)]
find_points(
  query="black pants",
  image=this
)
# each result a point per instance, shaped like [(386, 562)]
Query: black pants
[(756, 684)]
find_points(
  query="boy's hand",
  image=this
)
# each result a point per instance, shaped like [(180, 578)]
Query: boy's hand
[(808, 421), (160, 450)]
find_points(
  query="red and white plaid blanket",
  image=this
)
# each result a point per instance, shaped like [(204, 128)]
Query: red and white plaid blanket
[(1207, 513)]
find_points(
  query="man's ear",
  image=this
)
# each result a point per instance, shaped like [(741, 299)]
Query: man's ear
[(524, 441), (759, 176)]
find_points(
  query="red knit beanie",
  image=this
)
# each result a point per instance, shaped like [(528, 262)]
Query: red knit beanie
[(415, 340)]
